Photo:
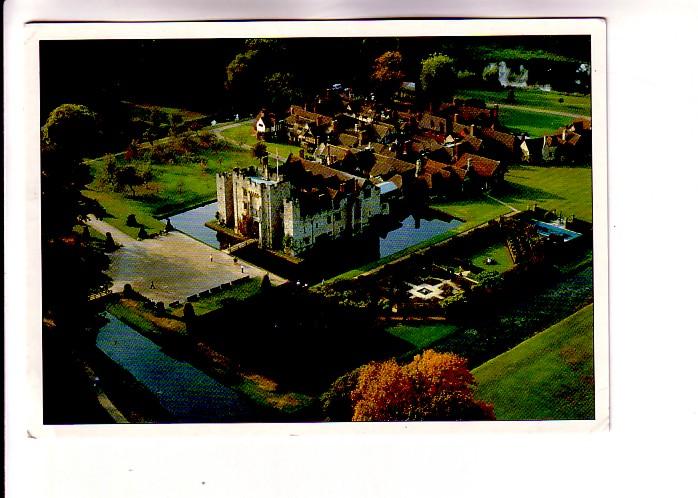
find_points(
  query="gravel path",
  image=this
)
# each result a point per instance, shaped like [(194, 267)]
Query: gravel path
[(173, 266)]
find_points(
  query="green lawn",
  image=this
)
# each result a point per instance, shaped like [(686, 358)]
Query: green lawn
[(568, 190), (238, 292), (175, 187), (499, 253), (534, 124), (549, 101), (547, 377), (473, 212), (422, 336), (244, 134)]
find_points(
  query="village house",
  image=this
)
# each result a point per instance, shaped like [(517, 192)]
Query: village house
[(484, 172), (266, 126), (309, 129)]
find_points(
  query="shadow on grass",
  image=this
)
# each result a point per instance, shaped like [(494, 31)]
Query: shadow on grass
[(513, 192)]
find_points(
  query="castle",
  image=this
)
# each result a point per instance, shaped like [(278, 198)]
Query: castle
[(296, 206)]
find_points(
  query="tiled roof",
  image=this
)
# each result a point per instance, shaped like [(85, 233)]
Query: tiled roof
[(348, 140), (482, 166), (310, 116), (385, 166), (506, 139), (474, 142)]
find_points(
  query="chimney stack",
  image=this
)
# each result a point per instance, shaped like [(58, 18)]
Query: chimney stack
[(472, 130), (564, 134), (467, 168)]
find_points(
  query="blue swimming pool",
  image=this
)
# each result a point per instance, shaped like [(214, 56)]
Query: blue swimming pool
[(547, 229)]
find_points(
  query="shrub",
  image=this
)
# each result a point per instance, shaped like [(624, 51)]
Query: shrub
[(188, 311), (266, 283), (128, 291), (142, 234), (109, 244), (160, 308), (131, 221)]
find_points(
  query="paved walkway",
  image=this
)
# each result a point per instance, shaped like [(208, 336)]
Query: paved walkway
[(175, 264), (509, 206)]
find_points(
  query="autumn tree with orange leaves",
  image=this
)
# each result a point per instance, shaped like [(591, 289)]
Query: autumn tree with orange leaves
[(388, 73), (433, 386)]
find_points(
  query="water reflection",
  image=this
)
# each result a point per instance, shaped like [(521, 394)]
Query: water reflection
[(185, 392)]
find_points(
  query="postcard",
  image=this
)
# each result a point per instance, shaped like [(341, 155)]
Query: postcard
[(296, 227)]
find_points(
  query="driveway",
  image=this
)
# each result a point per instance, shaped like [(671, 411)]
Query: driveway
[(173, 266)]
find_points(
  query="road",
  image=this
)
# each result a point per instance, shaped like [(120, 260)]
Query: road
[(173, 266)]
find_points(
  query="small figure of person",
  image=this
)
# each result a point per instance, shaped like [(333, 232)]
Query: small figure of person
[(152, 284), (242, 269), (211, 258)]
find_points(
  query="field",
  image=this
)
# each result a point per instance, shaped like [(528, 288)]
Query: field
[(175, 187), (534, 98), (422, 336), (244, 134), (547, 377), (566, 189), (532, 123)]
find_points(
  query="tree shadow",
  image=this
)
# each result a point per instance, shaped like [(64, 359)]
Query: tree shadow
[(516, 191)]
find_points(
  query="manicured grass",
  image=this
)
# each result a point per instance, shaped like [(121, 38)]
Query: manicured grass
[(422, 336), (547, 377), (549, 101), (244, 134), (175, 187), (238, 292), (499, 253), (567, 190), (532, 123), (473, 212)]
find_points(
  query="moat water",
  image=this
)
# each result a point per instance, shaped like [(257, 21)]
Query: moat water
[(409, 231), (192, 223), (184, 391)]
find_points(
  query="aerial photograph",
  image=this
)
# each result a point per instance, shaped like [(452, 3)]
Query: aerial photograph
[(266, 230)]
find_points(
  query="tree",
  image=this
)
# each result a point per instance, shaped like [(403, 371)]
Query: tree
[(437, 78), (176, 121), (280, 91), (243, 78), (433, 386), (265, 285), (259, 150), (387, 73)]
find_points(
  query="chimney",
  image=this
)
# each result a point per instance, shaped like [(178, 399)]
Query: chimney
[(564, 134), (356, 127), (418, 169), (467, 167), (456, 118), (472, 130), (317, 121)]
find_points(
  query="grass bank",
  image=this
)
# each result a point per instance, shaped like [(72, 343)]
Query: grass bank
[(547, 377)]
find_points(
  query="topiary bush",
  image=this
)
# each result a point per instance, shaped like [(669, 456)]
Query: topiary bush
[(142, 234), (131, 220)]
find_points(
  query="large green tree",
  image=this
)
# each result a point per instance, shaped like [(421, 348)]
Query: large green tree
[(437, 78), (71, 268)]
